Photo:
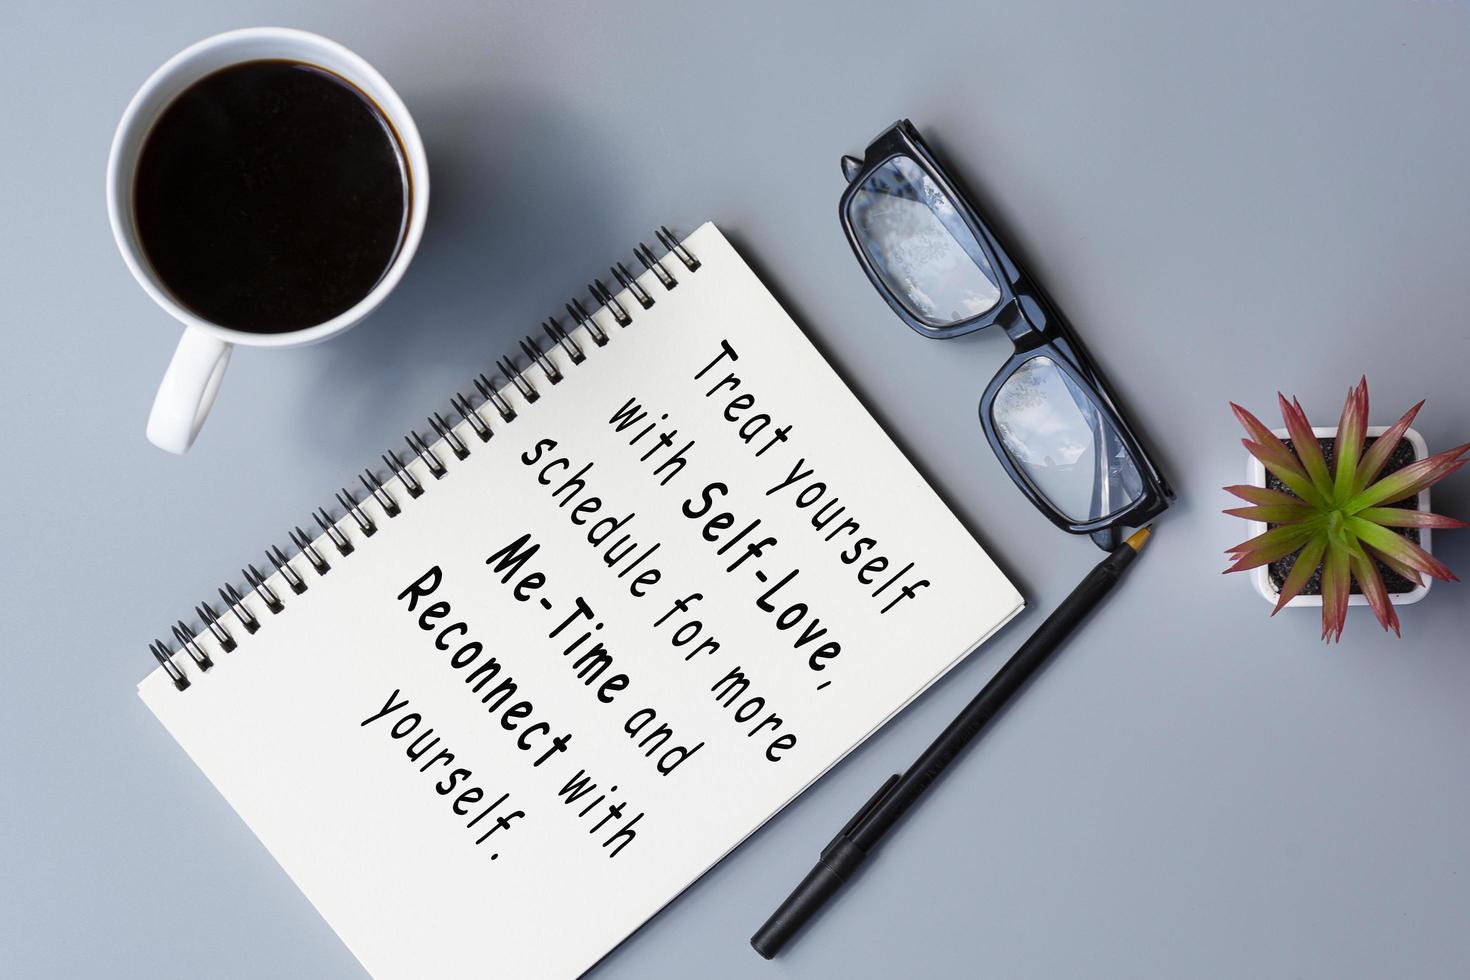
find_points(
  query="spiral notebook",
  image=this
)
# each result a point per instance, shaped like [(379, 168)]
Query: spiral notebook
[(545, 668)]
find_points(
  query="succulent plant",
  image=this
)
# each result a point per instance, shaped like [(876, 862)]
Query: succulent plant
[(1339, 517)]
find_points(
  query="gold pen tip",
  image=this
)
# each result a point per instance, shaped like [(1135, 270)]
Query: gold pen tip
[(1137, 538)]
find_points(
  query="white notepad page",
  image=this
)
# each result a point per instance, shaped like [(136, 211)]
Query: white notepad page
[(413, 775)]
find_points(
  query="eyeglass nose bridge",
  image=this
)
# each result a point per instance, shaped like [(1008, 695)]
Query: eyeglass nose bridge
[(1022, 329)]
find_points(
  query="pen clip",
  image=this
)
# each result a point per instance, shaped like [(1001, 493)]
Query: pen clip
[(862, 814)]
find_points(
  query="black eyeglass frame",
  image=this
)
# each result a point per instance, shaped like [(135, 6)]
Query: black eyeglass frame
[(1029, 318)]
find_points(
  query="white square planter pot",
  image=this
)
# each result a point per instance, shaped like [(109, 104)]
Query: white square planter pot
[(1261, 577)]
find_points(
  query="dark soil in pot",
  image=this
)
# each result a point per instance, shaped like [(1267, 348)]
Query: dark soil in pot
[(1395, 583)]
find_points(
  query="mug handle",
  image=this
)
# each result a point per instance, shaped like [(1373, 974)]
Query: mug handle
[(187, 391)]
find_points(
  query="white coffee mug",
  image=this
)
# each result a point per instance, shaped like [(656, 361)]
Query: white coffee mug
[(193, 376)]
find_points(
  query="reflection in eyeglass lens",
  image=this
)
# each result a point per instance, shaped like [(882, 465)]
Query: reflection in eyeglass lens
[(1068, 449), (921, 247)]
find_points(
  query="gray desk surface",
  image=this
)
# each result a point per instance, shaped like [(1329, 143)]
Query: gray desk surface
[(1227, 198)]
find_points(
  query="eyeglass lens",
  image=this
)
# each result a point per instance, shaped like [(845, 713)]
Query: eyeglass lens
[(922, 249), (1069, 450)]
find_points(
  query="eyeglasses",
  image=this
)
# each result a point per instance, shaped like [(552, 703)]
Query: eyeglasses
[(1049, 415)]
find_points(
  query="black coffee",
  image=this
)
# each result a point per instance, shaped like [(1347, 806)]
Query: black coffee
[(271, 196)]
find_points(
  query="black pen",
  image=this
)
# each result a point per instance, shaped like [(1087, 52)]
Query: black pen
[(849, 849)]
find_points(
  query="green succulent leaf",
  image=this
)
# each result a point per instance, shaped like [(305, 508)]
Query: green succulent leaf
[(1336, 580), (1287, 469), (1348, 447), (1306, 563), (1400, 549), (1396, 566), (1382, 448), (1256, 428), (1304, 442), (1410, 480), (1294, 513), (1267, 547), (1276, 457), (1407, 517), (1366, 572), (1263, 496)]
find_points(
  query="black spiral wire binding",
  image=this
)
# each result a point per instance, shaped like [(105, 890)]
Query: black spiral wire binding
[(471, 416), (334, 534), (373, 486), (508, 368), (185, 636), (680, 252), (236, 604), (265, 592), (404, 474), (532, 349), (584, 320), (257, 586), (445, 431), (606, 298), (308, 550), (283, 566), (486, 387), (221, 635), (425, 454), (653, 265), (161, 654), (559, 337), (630, 283), (365, 524)]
